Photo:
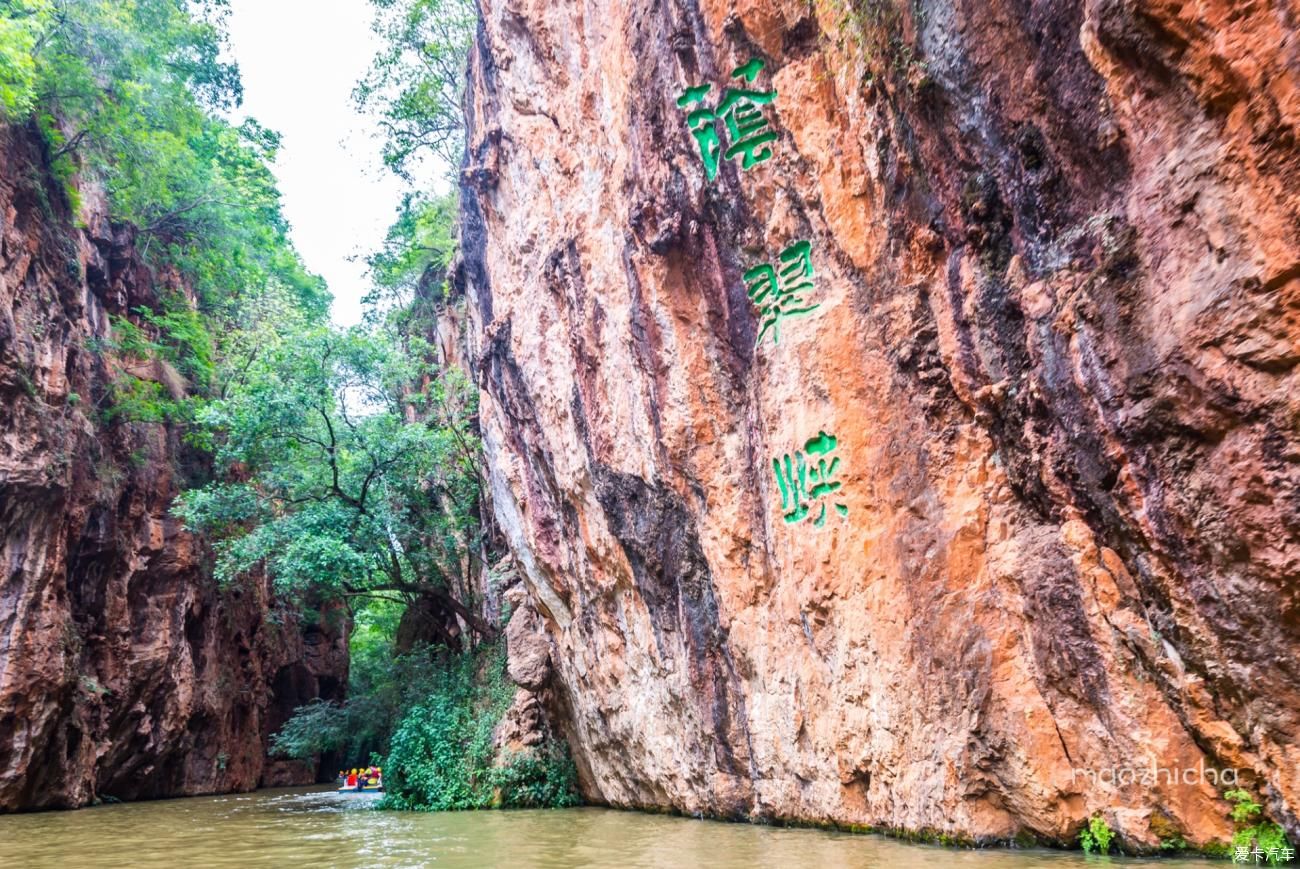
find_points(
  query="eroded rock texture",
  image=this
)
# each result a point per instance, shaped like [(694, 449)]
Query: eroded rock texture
[(123, 671), (1058, 277)]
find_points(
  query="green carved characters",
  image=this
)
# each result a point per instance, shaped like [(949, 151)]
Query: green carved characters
[(748, 134), (779, 291), (807, 478)]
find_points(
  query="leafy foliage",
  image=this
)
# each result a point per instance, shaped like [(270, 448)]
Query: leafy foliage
[(442, 749), (1244, 808), (316, 726), (21, 28), (178, 335), (544, 779), (340, 480), (442, 754), (382, 687), (1252, 830), (184, 339), (416, 81), (130, 91), (131, 399), (409, 270), (1096, 836)]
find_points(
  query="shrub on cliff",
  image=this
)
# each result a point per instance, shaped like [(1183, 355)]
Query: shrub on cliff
[(442, 756), (544, 778), (1096, 835), (1253, 833)]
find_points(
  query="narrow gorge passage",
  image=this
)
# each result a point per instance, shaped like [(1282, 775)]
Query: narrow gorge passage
[(872, 415)]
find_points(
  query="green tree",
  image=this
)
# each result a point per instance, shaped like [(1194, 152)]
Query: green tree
[(130, 93), (415, 83), (341, 478), (409, 271), (417, 249), (23, 24)]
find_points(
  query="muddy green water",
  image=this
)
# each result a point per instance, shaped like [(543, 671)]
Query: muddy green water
[(316, 828)]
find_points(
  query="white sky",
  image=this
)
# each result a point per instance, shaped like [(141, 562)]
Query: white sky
[(300, 60)]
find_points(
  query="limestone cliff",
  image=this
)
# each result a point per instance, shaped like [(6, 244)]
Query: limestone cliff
[(124, 672), (1034, 516)]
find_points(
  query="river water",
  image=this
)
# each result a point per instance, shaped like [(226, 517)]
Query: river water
[(313, 827)]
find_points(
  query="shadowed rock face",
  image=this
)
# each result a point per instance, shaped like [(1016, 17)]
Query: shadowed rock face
[(1058, 284), (123, 671)]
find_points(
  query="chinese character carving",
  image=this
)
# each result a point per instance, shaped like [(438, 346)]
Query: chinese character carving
[(748, 134), (807, 478), (780, 292)]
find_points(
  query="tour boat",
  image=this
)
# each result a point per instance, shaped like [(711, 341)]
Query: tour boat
[(361, 787)]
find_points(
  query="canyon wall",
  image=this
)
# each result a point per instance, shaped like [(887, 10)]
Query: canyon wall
[(124, 671), (990, 494)]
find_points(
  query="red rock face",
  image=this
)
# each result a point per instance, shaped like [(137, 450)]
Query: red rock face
[(124, 672), (1057, 285)]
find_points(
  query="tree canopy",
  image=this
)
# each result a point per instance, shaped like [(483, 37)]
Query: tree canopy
[(128, 93), (346, 468), (415, 83)]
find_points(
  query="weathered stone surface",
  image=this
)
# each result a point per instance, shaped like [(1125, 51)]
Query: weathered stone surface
[(528, 648), (1059, 283), (124, 672)]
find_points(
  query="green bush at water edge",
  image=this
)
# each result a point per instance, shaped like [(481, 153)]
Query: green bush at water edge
[(1096, 836), (441, 756), (1252, 830)]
